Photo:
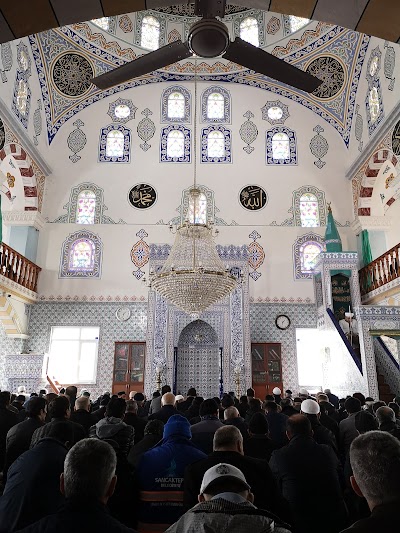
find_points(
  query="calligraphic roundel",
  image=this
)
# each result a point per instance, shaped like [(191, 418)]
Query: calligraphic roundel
[(253, 197), (142, 196)]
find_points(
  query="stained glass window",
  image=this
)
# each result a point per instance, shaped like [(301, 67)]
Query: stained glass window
[(175, 144), (103, 22), (374, 106), (22, 96), (122, 111), (249, 31), (309, 211), (215, 106), (275, 113), (81, 256), (150, 35), (85, 207), (296, 23), (280, 146), (201, 209), (308, 256), (176, 105), (115, 144), (215, 144)]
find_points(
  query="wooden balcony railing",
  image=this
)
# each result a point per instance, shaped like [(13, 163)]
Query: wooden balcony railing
[(18, 268), (382, 270)]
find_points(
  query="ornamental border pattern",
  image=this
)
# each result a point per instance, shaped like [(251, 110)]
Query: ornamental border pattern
[(64, 271), (187, 118)]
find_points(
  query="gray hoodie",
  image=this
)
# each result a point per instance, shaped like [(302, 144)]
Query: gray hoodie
[(114, 429)]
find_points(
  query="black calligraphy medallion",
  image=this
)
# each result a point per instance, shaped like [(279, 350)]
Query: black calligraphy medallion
[(142, 196), (253, 197)]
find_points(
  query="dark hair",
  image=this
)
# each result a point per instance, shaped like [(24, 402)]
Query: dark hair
[(376, 405), (269, 398), (298, 425), (121, 393), (231, 393), (395, 407), (271, 406), (364, 422), (71, 390), (258, 424), (192, 392), (165, 389), (243, 399), (42, 392), (5, 397), (138, 397), (250, 393), (154, 427), (34, 406), (217, 401), (33, 395), (352, 405), (288, 391), (105, 400), (255, 404), (227, 401), (58, 407), (62, 431), (369, 399), (20, 398), (116, 408), (156, 394), (62, 390), (360, 397), (208, 407)]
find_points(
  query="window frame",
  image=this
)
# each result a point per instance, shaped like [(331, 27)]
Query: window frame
[(165, 119), (126, 156), (292, 159), (142, 22), (253, 18), (226, 119), (227, 158), (186, 158), (81, 342), (65, 271), (300, 242)]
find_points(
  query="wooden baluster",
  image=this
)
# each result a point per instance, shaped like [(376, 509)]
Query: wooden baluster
[(28, 276), (385, 267), (22, 278)]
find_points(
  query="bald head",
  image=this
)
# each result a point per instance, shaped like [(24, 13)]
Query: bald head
[(385, 414), (230, 412), (228, 439), (82, 403), (168, 399)]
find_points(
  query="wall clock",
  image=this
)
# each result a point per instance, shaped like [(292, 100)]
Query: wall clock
[(123, 314), (282, 322)]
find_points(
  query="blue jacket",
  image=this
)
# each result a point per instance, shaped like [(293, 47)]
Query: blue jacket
[(160, 475)]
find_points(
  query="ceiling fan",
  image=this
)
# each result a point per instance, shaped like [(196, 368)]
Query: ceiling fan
[(208, 38)]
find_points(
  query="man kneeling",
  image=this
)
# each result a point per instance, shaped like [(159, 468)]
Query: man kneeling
[(226, 502)]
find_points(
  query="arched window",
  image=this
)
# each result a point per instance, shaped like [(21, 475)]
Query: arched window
[(249, 31), (281, 146), (175, 144), (198, 215), (306, 250), (86, 207), (81, 256), (176, 105), (215, 144), (296, 23), (103, 22), (215, 106), (309, 211), (115, 144), (150, 34)]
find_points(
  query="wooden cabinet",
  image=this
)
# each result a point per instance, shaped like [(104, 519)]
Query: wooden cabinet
[(266, 368), (129, 362)]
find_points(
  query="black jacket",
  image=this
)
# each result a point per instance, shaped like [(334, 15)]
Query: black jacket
[(8, 419), (141, 447), (40, 433), (277, 427), (308, 475), (383, 519), (259, 447), (84, 418), (33, 486), (138, 425), (80, 516), (240, 424), (164, 414), (257, 474), (19, 439), (203, 433), (97, 415)]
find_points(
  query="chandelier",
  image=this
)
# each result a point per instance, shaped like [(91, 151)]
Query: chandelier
[(193, 277)]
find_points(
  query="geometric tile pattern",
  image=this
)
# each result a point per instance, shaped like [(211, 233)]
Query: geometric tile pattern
[(140, 254), (273, 25), (278, 119), (248, 132), (256, 255), (146, 129), (319, 147), (121, 102), (76, 141)]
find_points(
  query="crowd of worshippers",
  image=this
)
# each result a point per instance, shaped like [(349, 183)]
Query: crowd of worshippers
[(300, 464)]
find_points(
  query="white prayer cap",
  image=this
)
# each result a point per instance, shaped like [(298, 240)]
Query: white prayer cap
[(277, 391), (310, 407)]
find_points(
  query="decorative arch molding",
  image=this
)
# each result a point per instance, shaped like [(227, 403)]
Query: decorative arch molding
[(295, 209), (297, 249), (369, 180), (24, 165), (67, 248), (227, 104)]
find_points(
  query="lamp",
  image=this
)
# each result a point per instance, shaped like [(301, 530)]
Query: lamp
[(193, 277)]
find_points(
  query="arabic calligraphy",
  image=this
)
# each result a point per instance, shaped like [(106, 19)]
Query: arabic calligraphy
[(253, 197), (142, 196)]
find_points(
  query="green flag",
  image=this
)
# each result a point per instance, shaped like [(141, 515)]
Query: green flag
[(365, 248)]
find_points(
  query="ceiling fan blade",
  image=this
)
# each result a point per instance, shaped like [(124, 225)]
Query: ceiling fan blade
[(166, 55), (250, 56)]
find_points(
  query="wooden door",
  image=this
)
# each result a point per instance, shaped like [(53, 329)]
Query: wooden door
[(128, 372), (266, 368)]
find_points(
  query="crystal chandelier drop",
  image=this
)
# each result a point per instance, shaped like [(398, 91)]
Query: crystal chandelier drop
[(193, 277)]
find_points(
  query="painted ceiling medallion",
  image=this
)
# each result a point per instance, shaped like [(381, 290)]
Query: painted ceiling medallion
[(253, 197), (72, 74), (142, 196), (331, 71)]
